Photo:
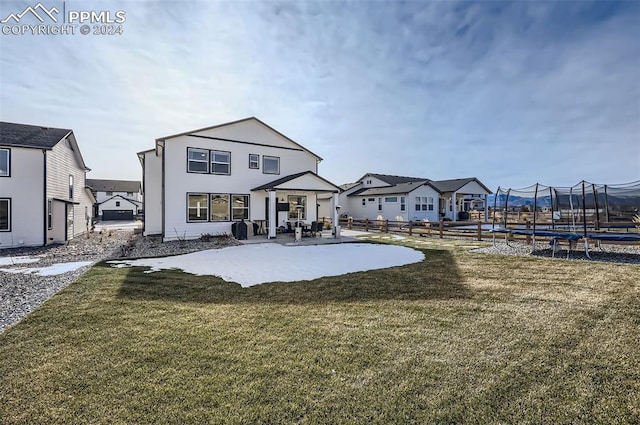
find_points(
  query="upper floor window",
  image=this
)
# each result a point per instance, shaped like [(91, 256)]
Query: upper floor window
[(220, 162), (109, 193), (254, 161), (368, 182), (391, 199), (70, 187), (5, 215), (129, 193), (270, 164), (197, 161), (117, 203), (5, 162)]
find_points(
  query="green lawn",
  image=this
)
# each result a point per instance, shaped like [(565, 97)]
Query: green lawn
[(459, 338)]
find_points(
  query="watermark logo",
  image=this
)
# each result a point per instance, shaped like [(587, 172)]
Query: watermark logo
[(33, 11), (43, 20)]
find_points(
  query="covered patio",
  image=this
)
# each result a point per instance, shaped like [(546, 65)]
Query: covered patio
[(293, 201)]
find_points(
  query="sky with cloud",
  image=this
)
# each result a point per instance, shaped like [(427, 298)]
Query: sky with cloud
[(513, 93)]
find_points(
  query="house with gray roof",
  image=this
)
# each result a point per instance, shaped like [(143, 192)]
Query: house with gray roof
[(391, 197), (43, 194), (116, 199), (207, 180)]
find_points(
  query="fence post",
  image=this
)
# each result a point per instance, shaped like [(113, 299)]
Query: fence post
[(386, 226), (440, 226), (479, 230), (350, 223), (528, 236), (366, 224), (410, 233)]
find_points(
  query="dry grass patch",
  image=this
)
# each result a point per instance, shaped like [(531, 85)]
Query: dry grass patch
[(458, 338)]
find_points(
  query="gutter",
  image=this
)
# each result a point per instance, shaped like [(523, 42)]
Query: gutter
[(45, 227)]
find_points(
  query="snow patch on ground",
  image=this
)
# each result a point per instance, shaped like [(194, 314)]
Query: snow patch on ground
[(251, 265), (9, 261), (53, 270)]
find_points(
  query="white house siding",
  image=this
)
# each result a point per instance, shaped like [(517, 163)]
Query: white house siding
[(153, 193), (62, 162), (392, 210), (111, 204), (102, 196), (423, 191), (293, 159), (25, 188)]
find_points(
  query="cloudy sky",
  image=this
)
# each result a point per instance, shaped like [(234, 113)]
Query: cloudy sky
[(513, 93)]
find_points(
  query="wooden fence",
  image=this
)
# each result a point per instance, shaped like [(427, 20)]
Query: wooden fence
[(477, 230)]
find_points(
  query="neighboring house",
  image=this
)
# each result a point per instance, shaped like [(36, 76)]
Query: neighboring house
[(116, 199), (43, 195), (201, 181), (412, 198)]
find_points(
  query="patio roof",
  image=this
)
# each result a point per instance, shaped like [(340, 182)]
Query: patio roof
[(306, 180)]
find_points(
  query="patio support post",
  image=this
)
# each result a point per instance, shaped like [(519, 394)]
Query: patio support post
[(486, 207), (454, 204), (273, 215), (335, 206)]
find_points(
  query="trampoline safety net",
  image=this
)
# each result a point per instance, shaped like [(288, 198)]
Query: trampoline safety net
[(580, 208)]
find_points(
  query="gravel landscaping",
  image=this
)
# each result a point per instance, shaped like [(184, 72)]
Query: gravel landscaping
[(624, 254), (21, 293)]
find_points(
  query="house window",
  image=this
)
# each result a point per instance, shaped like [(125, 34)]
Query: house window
[(71, 187), (220, 162), (403, 205), (5, 162), (49, 214), (5, 215), (364, 202), (109, 193), (270, 164), (129, 193), (391, 199), (197, 207), (117, 203), (368, 182), (240, 207), (254, 161), (379, 204), (297, 203), (197, 160), (424, 203), (219, 207), (371, 200)]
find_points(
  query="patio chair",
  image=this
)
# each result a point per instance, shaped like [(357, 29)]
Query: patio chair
[(314, 228)]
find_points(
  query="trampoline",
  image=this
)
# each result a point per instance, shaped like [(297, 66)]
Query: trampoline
[(586, 211)]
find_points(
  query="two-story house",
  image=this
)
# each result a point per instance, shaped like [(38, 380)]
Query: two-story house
[(412, 198), (116, 199), (43, 195), (202, 181)]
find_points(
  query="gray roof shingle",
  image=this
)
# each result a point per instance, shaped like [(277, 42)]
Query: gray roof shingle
[(30, 136), (99, 185)]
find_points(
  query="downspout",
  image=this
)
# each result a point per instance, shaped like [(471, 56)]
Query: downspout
[(144, 194), (163, 194), (45, 227)]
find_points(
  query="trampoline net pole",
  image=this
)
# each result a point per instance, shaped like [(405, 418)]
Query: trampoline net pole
[(584, 211), (535, 211), (553, 226)]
